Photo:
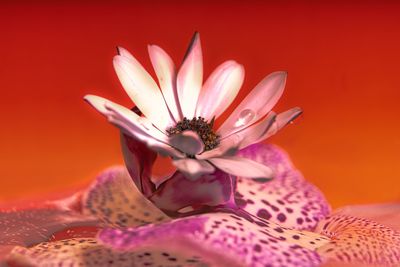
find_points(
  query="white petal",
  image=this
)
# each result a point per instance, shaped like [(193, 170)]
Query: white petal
[(132, 124), (220, 90), (190, 78), (124, 53), (242, 167), (143, 90), (166, 74), (193, 168), (256, 104), (282, 119), (188, 142)]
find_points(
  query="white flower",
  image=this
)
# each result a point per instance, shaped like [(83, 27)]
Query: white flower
[(174, 116)]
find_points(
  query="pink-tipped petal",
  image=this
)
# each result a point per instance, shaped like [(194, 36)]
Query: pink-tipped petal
[(256, 104), (243, 167), (359, 241), (143, 91), (115, 200), (166, 74), (220, 90), (207, 191), (190, 78), (193, 168), (223, 239), (187, 142), (288, 199)]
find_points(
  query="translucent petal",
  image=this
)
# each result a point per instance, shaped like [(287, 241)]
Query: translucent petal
[(220, 90), (256, 104), (190, 78), (193, 168), (143, 91), (166, 74)]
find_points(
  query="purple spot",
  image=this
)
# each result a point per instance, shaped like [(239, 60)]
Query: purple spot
[(281, 217), (262, 213)]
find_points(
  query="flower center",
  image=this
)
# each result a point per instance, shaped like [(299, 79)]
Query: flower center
[(202, 127)]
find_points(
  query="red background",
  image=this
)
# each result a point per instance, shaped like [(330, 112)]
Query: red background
[(342, 60)]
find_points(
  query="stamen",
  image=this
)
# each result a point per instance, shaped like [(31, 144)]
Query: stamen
[(202, 127)]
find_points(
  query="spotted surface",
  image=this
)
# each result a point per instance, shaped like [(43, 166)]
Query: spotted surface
[(88, 252), (288, 199), (116, 201), (359, 242), (225, 239), (27, 227)]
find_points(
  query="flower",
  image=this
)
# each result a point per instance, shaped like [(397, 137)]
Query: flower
[(131, 231), (178, 122), (199, 216)]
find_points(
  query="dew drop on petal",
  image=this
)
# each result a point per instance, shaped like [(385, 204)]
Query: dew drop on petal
[(245, 117)]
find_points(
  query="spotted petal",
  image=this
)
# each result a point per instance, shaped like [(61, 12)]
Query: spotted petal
[(116, 201), (288, 199), (360, 242), (224, 239), (90, 253)]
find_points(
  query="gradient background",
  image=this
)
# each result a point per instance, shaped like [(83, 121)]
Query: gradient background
[(342, 60)]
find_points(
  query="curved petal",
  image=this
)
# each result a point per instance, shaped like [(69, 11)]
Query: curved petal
[(387, 214), (282, 119), (166, 74), (190, 78), (256, 104), (288, 199), (220, 90), (242, 167), (189, 142), (134, 125), (90, 253), (139, 160), (115, 200), (224, 239), (193, 168), (178, 192), (359, 241), (143, 90)]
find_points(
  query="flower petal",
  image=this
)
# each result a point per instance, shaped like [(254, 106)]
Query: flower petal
[(189, 142), (115, 200), (220, 90), (224, 239), (132, 124), (190, 78), (28, 227), (288, 199), (143, 90), (242, 167), (387, 214), (256, 104), (193, 168), (359, 241), (166, 74), (90, 253), (178, 192)]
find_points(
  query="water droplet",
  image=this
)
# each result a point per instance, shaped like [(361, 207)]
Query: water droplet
[(245, 117)]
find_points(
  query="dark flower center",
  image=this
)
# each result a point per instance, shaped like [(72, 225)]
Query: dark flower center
[(202, 127)]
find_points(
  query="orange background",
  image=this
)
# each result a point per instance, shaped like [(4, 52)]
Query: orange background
[(342, 58)]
